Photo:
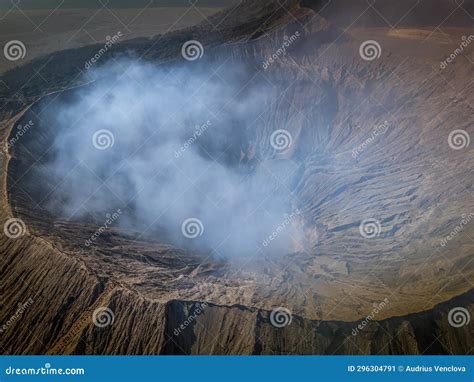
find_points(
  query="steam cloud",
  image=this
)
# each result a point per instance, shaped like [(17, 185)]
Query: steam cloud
[(175, 153)]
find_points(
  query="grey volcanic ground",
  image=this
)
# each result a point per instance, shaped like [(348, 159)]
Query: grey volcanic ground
[(45, 30), (325, 183)]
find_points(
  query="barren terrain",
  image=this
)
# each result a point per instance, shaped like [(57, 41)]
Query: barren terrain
[(407, 177)]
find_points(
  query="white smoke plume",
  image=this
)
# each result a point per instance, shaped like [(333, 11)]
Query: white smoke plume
[(166, 144)]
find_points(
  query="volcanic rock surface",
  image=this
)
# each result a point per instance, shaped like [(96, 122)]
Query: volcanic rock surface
[(406, 177)]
